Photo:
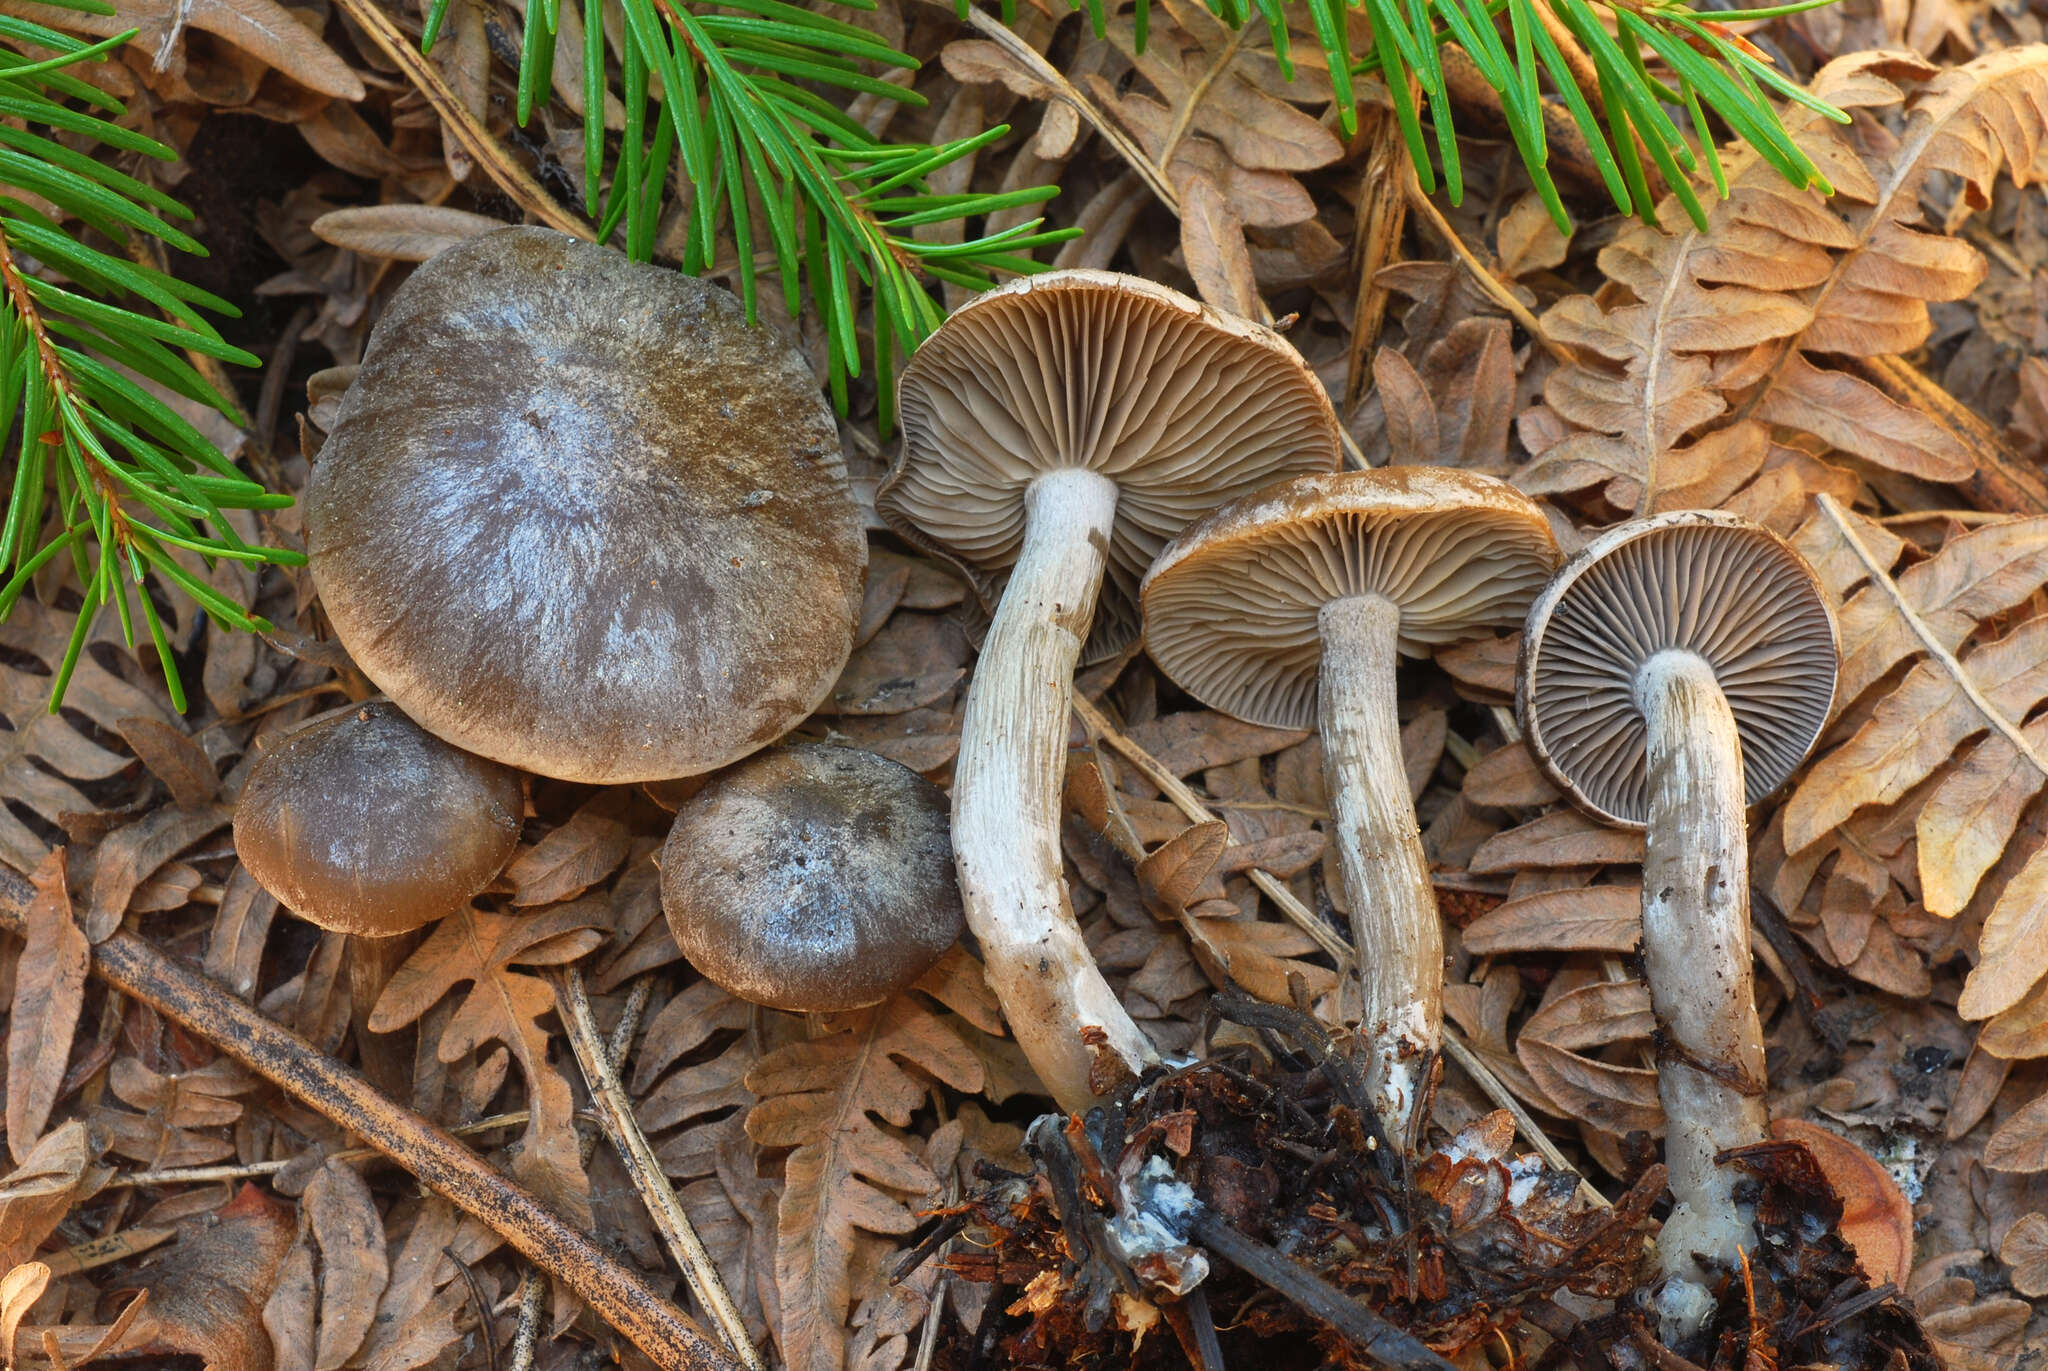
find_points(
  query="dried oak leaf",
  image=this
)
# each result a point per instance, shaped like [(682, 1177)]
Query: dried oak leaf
[(505, 1006), (1728, 321), (1924, 727), (1553, 1047), (49, 989), (829, 1099)]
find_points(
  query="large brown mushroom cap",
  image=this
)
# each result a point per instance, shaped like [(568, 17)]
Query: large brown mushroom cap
[(363, 822), (1232, 607), (1698, 580), (577, 516), (813, 878), (1183, 407)]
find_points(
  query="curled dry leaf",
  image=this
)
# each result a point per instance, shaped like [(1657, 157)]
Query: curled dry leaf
[(58, 1173), (350, 1233), (20, 1288), (403, 233), (49, 989)]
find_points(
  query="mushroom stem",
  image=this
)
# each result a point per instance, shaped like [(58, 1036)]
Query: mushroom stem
[(1394, 921), (1006, 792), (1710, 1071)]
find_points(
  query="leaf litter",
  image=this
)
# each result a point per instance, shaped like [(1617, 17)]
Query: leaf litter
[(1752, 365)]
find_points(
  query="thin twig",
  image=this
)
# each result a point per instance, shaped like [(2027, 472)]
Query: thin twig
[(1382, 1341), (615, 1293), (526, 1332), (615, 1112), (1099, 727), (1494, 287), (247, 1171), (460, 124)]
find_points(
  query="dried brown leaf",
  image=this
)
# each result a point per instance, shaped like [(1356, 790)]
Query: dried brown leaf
[(57, 1174), (1594, 918), (403, 233), (350, 1233), (1213, 248), (49, 990), (503, 1005), (576, 856), (130, 855), (832, 1099)]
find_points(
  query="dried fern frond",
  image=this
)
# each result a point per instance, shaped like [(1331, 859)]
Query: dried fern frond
[(1732, 323)]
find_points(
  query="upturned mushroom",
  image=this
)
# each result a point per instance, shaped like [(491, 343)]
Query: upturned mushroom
[(1676, 672), (577, 516), (812, 878), (364, 823), (1290, 608), (1056, 431)]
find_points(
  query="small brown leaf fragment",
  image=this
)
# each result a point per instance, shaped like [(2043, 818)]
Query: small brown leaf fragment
[(575, 856), (1169, 877), (20, 1288), (352, 1262), (1212, 244), (131, 855), (2025, 1250), (174, 758), (289, 1313), (2021, 1142), (49, 988)]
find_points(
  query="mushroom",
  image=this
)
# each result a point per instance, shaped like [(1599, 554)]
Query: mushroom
[(1055, 429), (364, 823), (812, 879), (1289, 608), (576, 516), (1678, 670)]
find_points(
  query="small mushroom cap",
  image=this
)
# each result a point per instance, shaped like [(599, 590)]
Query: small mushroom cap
[(1183, 407), (1232, 607), (813, 878), (1699, 580), (578, 517), (363, 822)]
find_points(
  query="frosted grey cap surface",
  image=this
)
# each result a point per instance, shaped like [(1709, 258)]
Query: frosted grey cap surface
[(813, 878), (577, 516), (1703, 581)]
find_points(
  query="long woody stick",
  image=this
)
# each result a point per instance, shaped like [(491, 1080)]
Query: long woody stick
[(619, 1296)]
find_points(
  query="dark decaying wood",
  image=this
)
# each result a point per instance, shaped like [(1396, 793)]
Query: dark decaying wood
[(619, 1296)]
